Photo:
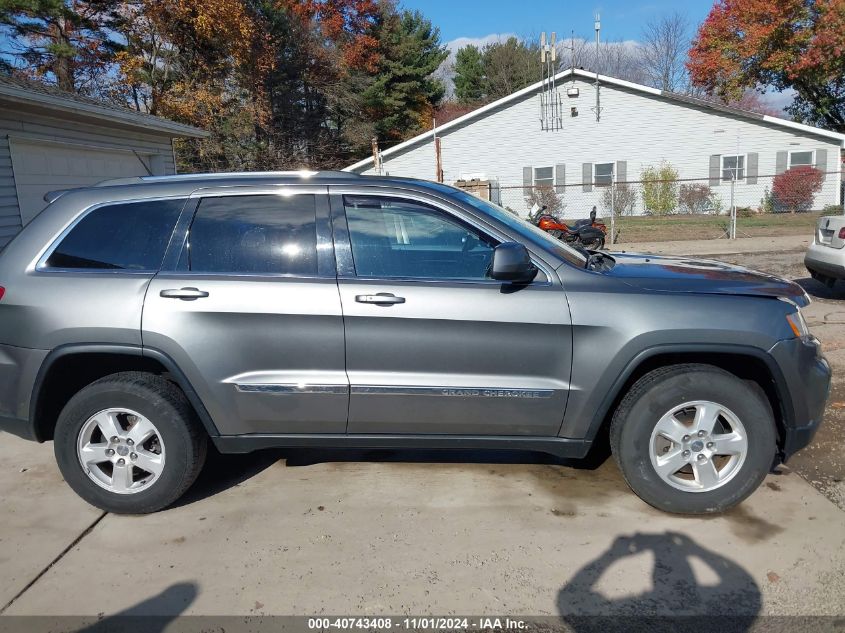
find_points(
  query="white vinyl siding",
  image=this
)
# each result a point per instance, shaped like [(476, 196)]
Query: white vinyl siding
[(19, 125), (643, 128), (10, 219)]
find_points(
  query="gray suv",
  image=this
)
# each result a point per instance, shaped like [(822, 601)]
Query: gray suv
[(143, 317)]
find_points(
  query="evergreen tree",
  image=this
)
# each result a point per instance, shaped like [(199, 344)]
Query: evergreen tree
[(402, 96), (469, 75), (68, 43)]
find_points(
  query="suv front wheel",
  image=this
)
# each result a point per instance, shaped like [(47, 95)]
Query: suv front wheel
[(693, 439), (129, 443)]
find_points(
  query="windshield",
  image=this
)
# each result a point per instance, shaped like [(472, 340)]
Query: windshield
[(524, 228)]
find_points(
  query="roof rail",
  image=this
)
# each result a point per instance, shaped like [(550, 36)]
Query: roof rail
[(51, 196), (301, 173)]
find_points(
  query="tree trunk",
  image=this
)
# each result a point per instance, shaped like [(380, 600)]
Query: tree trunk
[(62, 63)]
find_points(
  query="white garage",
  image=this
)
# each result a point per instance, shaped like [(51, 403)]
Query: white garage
[(42, 166), (52, 140)]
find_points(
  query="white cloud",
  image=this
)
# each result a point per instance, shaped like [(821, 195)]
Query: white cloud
[(492, 38), (446, 72)]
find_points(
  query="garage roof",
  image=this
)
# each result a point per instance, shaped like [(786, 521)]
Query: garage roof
[(47, 97)]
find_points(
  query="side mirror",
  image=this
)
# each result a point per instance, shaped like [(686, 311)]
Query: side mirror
[(511, 262)]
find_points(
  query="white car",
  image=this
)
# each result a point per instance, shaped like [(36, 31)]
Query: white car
[(825, 258)]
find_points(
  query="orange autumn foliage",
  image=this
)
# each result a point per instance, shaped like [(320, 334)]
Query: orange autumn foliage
[(346, 23), (797, 44)]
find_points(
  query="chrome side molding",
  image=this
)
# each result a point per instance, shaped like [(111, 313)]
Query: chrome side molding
[(398, 390), (294, 389)]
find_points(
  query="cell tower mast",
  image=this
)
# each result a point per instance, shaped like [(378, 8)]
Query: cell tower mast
[(550, 105), (598, 54)]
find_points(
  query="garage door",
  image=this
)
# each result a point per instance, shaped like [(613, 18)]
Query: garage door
[(40, 167)]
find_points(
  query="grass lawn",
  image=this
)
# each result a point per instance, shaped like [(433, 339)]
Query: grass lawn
[(649, 228)]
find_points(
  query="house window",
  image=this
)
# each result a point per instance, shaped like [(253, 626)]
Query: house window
[(603, 174), (801, 159), (733, 167), (544, 176)]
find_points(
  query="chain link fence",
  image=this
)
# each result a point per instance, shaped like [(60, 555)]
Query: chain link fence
[(688, 208)]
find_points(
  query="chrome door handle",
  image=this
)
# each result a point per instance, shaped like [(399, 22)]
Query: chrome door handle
[(186, 294), (382, 298)]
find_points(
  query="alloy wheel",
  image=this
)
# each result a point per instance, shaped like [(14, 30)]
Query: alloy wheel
[(698, 446), (121, 450)]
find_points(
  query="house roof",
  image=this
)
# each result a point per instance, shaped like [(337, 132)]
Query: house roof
[(577, 72), (38, 94)]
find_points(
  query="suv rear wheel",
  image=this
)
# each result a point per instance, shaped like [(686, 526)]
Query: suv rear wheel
[(693, 439), (129, 443)]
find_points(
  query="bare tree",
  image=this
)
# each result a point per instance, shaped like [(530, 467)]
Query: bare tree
[(619, 59), (665, 42)]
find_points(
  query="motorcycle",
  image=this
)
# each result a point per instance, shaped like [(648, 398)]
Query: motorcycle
[(587, 233)]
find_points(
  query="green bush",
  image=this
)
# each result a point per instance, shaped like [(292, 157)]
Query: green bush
[(833, 209), (767, 202), (660, 189)]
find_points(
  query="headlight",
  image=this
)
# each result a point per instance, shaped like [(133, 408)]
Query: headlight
[(798, 324)]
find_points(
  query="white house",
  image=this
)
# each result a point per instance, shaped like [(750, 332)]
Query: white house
[(638, 126)]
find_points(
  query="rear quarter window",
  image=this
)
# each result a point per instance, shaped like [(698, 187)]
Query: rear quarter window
[(122, 236)]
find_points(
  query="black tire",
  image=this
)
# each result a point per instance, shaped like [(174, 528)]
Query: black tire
[(161, 402), (655, 394)]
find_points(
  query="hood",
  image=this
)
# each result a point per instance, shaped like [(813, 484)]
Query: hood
[(702, 276)]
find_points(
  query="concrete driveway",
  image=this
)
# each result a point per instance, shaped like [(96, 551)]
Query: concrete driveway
[(372, 533)]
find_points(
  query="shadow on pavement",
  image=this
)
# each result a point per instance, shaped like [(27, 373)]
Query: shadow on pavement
[(820, 291), (676, 601), (152, 615), (222, 472)]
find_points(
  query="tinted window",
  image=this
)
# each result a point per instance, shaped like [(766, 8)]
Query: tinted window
[(255, 234), (129, 236), (396, 238), (526, 231)]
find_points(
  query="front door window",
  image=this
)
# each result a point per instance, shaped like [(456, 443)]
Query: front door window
[(394, 238)]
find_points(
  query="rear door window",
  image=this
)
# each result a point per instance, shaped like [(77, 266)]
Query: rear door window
[(258, 234), (128, 236)]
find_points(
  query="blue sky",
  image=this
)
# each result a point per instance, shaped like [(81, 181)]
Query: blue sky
[(621, 19)]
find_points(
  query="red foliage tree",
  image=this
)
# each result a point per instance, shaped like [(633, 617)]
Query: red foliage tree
[(348, 24), (795, 189), (795, 44)]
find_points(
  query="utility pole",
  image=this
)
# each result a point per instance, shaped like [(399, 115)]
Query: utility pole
[(376, 156), (438, 157), (613, 207)]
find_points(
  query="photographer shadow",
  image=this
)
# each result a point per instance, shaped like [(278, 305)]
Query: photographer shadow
[(676, 602), (155, 614)]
